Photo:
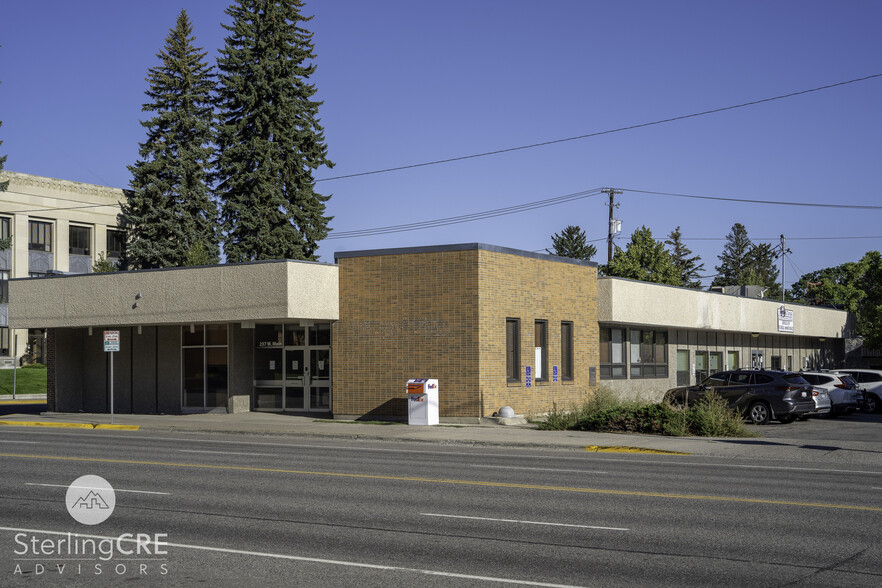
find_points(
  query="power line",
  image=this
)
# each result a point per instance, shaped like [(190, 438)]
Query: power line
[(465, 217), (599, 133), (752, 201)]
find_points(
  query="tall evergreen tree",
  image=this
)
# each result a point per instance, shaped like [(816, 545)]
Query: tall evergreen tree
[(169, 210), (644, 259), (762, 269), (4, 243), (688, 267), (269, 138), (572, 242), (735, 259)]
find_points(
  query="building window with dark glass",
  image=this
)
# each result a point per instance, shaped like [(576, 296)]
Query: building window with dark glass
[(513, 350), (116, 243), (649, 354), (80, 241), (612, 354), (4, 230), (39, 236), (541, 351), (4, 286), (566, 350)]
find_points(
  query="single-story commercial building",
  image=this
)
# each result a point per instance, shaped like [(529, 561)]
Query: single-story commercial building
[(496, 326)]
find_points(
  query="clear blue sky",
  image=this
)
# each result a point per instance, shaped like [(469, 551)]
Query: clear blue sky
[(406, 82)]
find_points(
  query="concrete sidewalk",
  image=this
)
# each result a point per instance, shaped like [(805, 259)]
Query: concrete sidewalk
[(846, 454)]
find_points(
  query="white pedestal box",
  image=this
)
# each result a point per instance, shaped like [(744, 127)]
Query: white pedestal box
[(422, 402)]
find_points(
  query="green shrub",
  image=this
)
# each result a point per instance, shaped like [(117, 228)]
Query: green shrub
[(712, 417), (557, 420), (647, 418)]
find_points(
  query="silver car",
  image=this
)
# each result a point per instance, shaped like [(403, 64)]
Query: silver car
[(823, 405), (870, 381), (843, 391)]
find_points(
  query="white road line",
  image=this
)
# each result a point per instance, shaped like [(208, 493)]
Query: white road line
[(478, 465), (875, 488), (226, 452), (30, 442), (284, 556), (115, 489), (449, 516)]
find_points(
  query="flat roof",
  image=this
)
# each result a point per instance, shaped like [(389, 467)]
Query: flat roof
[(461, 247)]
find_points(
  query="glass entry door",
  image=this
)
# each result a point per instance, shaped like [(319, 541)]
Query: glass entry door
[(292, 368)]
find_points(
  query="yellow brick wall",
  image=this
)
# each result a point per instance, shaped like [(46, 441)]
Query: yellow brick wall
[(406, 316), (530, 289), (442, 315)]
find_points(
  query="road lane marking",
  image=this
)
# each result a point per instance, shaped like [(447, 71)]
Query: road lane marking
[(450, 516), (480, 465), (29, 442), (69, 425), (601, 491), (288, 557), (115, 489), (226, 452), (581, 457)]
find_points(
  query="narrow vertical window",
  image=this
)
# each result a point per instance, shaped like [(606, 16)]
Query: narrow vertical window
[(116, 243), (512, 350), (566, 350), (541, 351)]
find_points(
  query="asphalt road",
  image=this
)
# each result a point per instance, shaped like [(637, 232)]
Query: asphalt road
[(282, 511)]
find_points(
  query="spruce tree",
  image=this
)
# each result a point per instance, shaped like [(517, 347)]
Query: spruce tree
[(735, 259), (269, 139), (762, 269), (169, 209), (572, 242), (688, 267), (644, 259)]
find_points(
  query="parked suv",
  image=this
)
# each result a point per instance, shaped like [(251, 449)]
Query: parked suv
[(842, 389), (870, 381), (761, 395)]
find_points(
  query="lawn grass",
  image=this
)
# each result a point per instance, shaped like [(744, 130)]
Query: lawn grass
[(28, 380)]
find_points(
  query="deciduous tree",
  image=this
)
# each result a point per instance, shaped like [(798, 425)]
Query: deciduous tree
[(644, 259)]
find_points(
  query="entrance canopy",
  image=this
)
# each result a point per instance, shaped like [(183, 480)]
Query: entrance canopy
[(258, 291)]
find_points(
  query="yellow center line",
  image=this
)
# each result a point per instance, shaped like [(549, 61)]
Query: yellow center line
[(452, 481)]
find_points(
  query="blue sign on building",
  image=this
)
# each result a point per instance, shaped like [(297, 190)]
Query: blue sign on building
[(527, 376), (554, 373)]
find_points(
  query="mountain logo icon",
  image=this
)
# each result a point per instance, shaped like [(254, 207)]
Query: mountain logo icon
[(90, 500)]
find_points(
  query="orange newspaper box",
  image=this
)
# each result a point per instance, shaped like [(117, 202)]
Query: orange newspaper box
[(422, 401)]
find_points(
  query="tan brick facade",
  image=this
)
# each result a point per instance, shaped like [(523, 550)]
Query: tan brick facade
[(441, 313)]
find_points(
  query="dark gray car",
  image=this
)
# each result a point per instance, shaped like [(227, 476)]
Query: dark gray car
[(760, 395)]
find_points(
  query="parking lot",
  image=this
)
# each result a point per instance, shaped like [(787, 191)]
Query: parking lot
[(854, 427)]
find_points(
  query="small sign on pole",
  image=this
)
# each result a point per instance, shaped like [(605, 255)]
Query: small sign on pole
[(111, 344)]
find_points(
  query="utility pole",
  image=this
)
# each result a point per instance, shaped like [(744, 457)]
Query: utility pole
[(614, 225), (784, 251)]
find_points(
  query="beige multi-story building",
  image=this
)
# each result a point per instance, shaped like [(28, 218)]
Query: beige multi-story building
[(56, 227)]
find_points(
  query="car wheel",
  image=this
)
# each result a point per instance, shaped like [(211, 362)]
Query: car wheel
[(759, 413), (872, 402), (786, 420)]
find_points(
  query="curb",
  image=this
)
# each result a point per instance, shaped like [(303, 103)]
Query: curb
[(69, 425), (23, 401)]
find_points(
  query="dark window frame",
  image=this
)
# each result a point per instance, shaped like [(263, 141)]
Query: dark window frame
[(40, 236), (116, 243), (649, 365), (513, 349), (79, 240), (567, 372), (540, 340), (611, 370), (4, 286), (5, 227)]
